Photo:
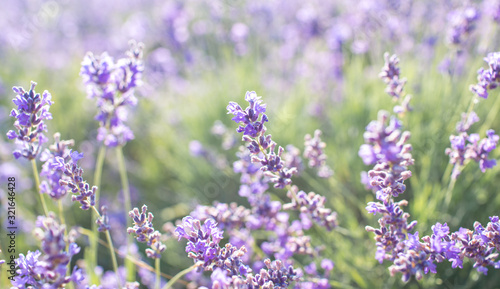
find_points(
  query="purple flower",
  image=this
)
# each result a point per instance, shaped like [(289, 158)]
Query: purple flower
[(82, 191), (390, 75), (260, 145), (249, 118), (462, 22), (145, 232), (466, 147), (113, 84), (313, 205), (384, 142), (32, 110), (52, 169), (47, 269), (313, 151), (203, 246), (488, 79)]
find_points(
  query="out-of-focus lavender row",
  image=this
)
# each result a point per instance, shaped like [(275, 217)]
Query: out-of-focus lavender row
[(298, 40)]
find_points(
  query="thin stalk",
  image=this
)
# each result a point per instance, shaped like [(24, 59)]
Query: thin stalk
[(157, 271), (93, 239), (98, 172), (179, 275), (111, 251), (37, 184), (447, 172), (128, 207), (137, 262)]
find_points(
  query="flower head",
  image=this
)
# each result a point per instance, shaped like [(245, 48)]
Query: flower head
[(32, 110), (113, 84)]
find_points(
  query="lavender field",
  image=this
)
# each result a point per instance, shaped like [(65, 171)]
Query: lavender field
[(249, 144)]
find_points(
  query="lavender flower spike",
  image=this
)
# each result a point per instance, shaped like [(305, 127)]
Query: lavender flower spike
[(80, 188), (32, 110), (52, 170), (145, 233), (488, 79), (113, 84), (251, 121), (313, 151), (47, 269), (390, 75)]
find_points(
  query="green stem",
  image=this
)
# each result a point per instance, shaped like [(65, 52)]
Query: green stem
[(92, 256), (128, 207), (111, 251), (157, 271), (448, 194), (491, 115), (98, 172), (37, 183), (179, 275)]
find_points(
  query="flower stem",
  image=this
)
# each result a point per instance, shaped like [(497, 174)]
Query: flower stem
[(128, 207), (111, 251), (179, 275), (37, 183), (93, 239), (157, 271)]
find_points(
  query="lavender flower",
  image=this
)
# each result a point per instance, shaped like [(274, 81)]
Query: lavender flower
[(313, 205), (313, 151), (253, 181), (32, 110), (385, 142), (465, 147), (103, 221), (48, 270), (113, 83), (390, 75), (488, 79), (80, 188), (467, 121), (251, 122), (145, 232), (52, 170), (479, 245), (462, 22), (248, 119)]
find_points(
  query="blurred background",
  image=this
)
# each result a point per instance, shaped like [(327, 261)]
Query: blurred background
[(316, 65)]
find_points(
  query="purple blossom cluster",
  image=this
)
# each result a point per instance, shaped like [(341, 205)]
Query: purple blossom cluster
[(252, 126), (48, 268), (465, 147), (313, 151), (145, 232), (51, 169), (385, 143), (253, 181), (203, 246), (229, 271), (487, 79), (480, 246), (312, 205), (32, 110), (462, 22), (390, 74), (112, 84), (82, 192), (410, 254)]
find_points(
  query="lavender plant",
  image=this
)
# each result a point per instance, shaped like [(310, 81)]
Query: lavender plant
[(48, 269), (410, 254), (32, 110), (113, 84)]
